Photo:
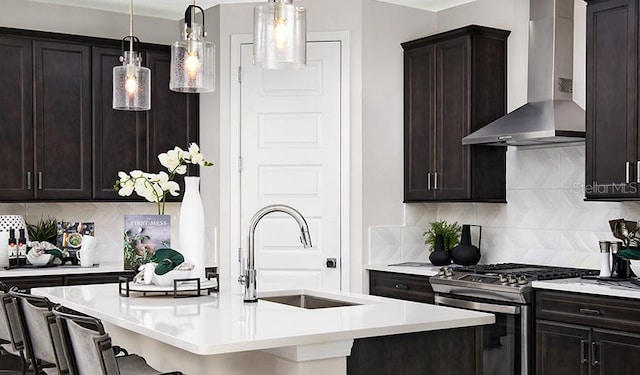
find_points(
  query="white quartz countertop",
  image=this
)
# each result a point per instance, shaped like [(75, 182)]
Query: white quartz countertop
[(587, 286), (60, 270), (223, 323), (425, 270)]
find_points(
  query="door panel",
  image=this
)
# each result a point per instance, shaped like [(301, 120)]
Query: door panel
[(419, 129), (290, 148), (562, 349), (616, 352), (453, 160), (16, 129), (63, 120), (612, 136)]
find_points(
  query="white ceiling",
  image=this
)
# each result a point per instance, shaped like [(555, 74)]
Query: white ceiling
[(174, 9)]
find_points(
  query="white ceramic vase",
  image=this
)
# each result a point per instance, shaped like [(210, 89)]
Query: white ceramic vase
[(191, 226)]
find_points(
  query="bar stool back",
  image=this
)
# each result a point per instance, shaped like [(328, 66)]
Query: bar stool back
[(41, 334), (88, 348), (10, 334)]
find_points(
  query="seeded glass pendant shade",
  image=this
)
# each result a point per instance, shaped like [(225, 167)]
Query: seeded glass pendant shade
[(131, 81), (192, 58), (280, 35)]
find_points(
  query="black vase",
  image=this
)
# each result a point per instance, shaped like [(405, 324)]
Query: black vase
[(439, 256), (465, 254)]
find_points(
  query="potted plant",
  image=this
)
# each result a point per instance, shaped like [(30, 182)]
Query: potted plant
[(43, 230), (441, 237)]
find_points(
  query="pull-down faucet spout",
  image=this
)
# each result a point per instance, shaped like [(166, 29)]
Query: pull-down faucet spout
[(248, 277)]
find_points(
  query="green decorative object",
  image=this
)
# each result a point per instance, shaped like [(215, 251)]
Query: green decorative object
[(43, 230), (449, 231)]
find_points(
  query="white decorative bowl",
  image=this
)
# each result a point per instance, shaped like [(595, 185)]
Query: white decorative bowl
[(42, 260), (635, 267), (167, 278)]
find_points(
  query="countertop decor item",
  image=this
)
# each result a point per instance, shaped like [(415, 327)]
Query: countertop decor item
[(439, 256), (466, 253), (191, 226), (43, 230), (449, 231), (154, 187)]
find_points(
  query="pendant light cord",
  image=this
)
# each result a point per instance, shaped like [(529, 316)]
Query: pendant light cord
[(131, 27)]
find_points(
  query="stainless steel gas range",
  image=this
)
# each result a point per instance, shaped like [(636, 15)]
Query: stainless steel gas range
[(505, 290)]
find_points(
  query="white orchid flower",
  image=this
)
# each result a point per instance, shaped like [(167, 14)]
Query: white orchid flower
[(136, 173)]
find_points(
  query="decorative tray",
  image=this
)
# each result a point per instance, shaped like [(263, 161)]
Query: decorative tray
[(180, 288)]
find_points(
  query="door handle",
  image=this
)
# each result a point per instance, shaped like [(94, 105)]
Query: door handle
[(332, 263), (435, 180), (594, 354), (429, 181), (627, 172), (584, 349), (39, 180), (638, 171), (402, 286), (28, 180)]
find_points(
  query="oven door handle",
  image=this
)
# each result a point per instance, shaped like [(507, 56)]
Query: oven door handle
[(480, 306)]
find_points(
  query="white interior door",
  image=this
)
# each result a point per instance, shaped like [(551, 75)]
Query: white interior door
[(290, 128)]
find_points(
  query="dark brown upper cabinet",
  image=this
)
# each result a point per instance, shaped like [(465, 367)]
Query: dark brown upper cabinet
[(454, 83), (612, 138), (46, 119), (63, 140)]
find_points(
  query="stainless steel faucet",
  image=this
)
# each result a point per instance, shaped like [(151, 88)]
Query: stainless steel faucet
[(248, 277)]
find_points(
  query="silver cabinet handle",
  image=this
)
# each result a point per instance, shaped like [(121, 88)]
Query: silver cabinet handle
[(595, 361), (39, 180), (638, 171), (627, 178), (28, 180), (429, 181), (584, 348), (435, 181)]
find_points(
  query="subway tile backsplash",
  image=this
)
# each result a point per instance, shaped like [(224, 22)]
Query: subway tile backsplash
[(546, 220)]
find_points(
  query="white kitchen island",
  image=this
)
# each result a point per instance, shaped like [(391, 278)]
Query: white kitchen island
[(220, 334)]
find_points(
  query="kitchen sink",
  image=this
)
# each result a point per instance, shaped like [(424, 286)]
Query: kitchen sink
[(307, 301)]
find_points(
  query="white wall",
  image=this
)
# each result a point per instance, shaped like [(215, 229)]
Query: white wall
[(31, 15), (385, 26)]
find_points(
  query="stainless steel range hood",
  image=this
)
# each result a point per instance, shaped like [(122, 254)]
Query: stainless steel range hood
[(550, 116)]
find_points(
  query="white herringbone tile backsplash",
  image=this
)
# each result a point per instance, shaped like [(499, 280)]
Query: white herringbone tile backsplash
[(108, 219), (546, 220)]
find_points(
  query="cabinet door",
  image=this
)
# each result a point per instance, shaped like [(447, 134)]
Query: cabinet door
[(16, 124), (173, 119), (119, 137), (615, 352), (562, 349), (452, 162), (63, 120), (419, 123), (612, 84)]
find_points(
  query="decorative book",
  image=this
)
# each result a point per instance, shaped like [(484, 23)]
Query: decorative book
[(143, 235)]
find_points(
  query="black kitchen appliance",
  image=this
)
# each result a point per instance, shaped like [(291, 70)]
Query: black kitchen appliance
[(503, 289)]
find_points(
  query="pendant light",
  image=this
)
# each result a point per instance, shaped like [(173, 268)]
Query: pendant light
[(192, 58), (280, 35), (131, 81)]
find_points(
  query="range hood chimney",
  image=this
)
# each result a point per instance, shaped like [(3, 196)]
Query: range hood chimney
[(550, 116)]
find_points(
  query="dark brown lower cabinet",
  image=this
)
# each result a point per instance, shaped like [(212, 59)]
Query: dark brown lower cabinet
[(589, 335), (451, 351), (401, 286), (28, 282)]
